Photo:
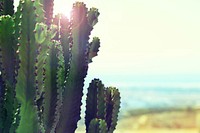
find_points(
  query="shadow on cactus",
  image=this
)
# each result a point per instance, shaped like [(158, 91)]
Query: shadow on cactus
[(43, 63)]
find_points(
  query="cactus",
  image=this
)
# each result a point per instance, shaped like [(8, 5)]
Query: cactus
[(102, 104), (43, 64)]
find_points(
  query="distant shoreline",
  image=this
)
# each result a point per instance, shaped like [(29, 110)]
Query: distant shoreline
[(143, 111)]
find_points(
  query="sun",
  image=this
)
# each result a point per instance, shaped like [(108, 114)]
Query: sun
[(63, 7)]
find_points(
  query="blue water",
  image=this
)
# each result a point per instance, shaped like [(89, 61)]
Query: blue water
[(135, 97)]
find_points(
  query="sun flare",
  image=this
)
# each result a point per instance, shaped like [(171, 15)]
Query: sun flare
[(63, 7)]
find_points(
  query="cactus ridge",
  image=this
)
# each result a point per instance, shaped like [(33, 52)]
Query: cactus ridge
[(113, 105), (8, 55), (50, 96), (95, 102), (56, 21), (25, 80), (66, 42), (48, 8), (1, 8), (60, 86), (43, 41), (39, 11)]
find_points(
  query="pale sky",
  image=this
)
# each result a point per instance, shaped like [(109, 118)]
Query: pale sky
[(145, 38)]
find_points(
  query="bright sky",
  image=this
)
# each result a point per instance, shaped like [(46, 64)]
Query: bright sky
[(145, 39)]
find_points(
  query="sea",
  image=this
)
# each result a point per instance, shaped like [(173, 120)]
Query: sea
[(160, 96)]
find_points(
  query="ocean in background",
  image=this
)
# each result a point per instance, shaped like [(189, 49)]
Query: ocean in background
[(158, 96)]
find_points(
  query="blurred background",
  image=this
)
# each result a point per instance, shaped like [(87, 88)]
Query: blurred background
[(150, 50)]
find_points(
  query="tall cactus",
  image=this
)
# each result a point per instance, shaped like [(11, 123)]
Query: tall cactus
[(43, 63), (25, 87), (8, 61)]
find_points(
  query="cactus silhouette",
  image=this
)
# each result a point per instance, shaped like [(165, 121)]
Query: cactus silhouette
[(43, 63)]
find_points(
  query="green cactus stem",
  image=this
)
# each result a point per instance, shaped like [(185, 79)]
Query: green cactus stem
[(48, 8), (8, 61), (1, 7), (81, 29), (25, 87), (94, 48), (112, 107), (56, 21), (53, 88), (39, 11), (6, 7), (97, 126), (50, 89), (66, 41), (43, 37), (95, 102)]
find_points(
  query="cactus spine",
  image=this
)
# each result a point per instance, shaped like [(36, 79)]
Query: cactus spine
[(43, 63)]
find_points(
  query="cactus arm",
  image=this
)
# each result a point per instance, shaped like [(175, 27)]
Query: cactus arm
[(91, 104), (97, 126), (112, 107), (43, 42), (56, 21), (6, 7), (95, 44), (27, 53), (43, 37), (17, 20), (9, 7), (40, 13), (94, 48), (8, 46), (60, 85), (70, 113), (51, 89), (2, 92), (81, 29), (25, 88), (48, 8), (66, 41), (7, 110), (93, 14), (95, 102), (1, 7)]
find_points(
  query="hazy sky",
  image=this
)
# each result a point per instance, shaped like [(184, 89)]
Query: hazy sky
[(145, 38)]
